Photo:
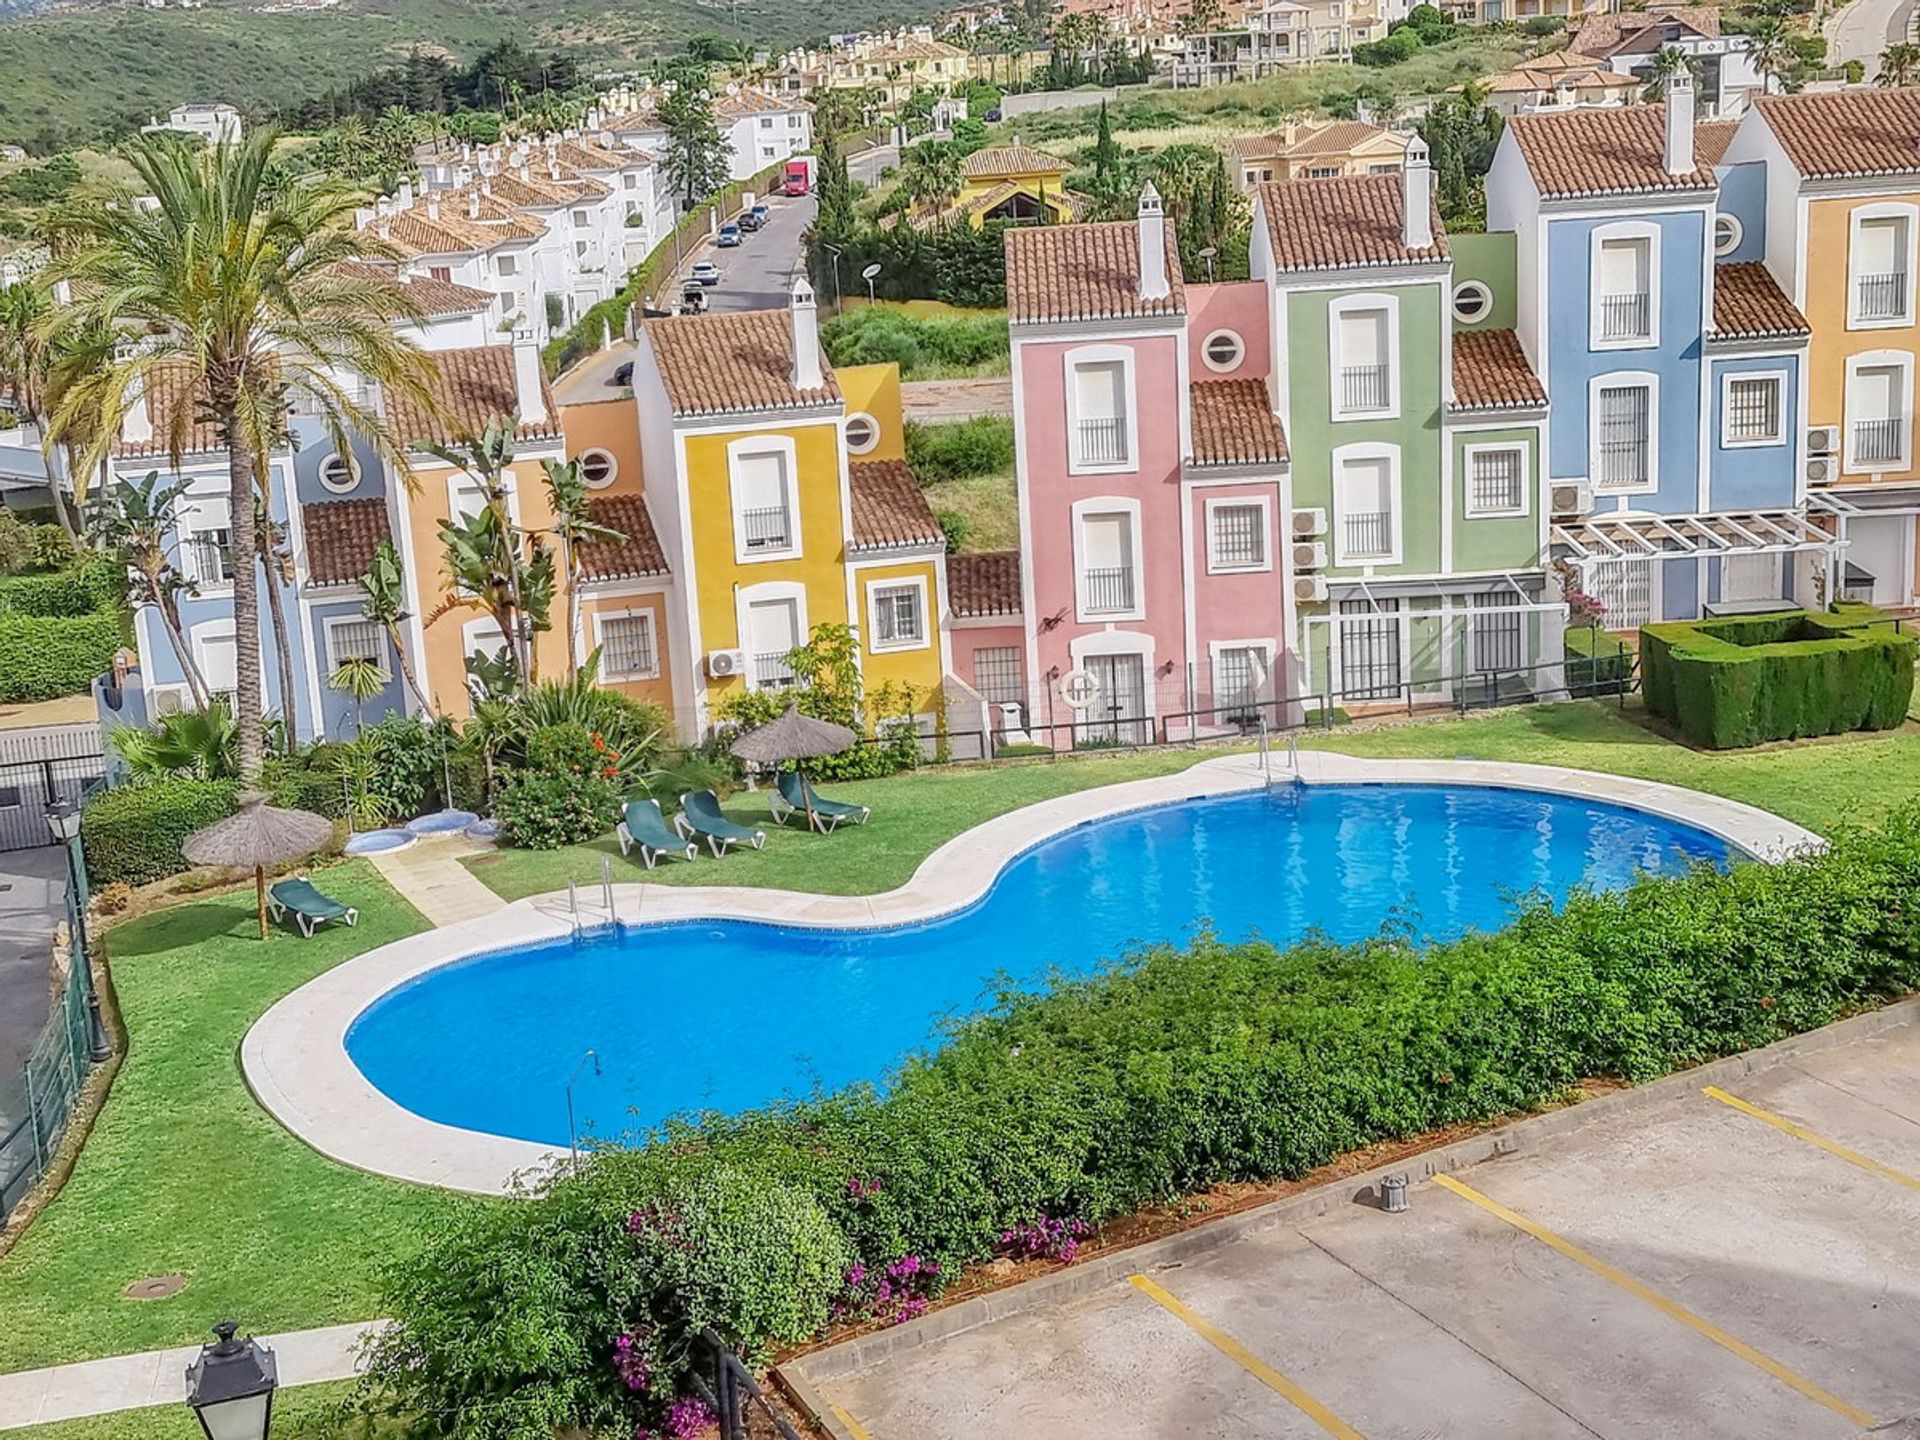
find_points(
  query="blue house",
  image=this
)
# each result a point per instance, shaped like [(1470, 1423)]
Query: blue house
[(1676, 438)]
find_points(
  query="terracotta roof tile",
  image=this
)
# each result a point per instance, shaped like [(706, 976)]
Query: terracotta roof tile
[(1711, 138), (984, 582), (412, 232), (1342, 222), (341, 537), (999, 161), (1847, 132), (443, 297), (1749, 305), (1602, 152), (1335, 137), (720, 364), (1234, 424), (469, 388), (1610, 34), (637, 555), (1085, 272), (1490, 372), (889, 507), (175, 408)]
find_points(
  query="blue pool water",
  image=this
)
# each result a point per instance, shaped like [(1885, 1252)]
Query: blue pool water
[(728, 1015)]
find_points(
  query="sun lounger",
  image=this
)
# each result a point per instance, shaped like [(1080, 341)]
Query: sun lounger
[(645, 826), (792, 794), (309, 908), (700, 819)]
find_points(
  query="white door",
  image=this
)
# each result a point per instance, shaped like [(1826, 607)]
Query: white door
[(1883, 547), (773, 633)]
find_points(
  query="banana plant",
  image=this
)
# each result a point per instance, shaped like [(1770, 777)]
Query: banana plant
[(573, 525), (385, 588)]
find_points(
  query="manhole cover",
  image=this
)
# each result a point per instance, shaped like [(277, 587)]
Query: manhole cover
[(156, 1287)]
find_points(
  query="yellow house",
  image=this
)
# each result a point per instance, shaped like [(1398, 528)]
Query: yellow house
[(783, 502), (1015, 182), (1842, 219), (1313, 151)]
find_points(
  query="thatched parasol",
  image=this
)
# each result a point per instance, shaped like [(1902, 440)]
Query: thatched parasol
[(256, 837), (794, 737)]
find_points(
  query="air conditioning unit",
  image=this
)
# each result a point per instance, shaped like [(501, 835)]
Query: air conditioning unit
[(722, 663), (169, 702), (1309, 554), (1819, 469), (1310, 588), (1823, 439), (1309, 522), (1572, 498)]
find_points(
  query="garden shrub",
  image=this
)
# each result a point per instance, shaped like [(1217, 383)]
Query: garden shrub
[(1737, 682), (1170, 1072), (540, 811), (831, 689), (133, 834), (81, 590), (407, 757), (962, 449), (43, 657), (874, 336)]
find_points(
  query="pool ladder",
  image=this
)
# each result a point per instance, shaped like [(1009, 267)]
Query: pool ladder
[(1266, 754), (606, 899)]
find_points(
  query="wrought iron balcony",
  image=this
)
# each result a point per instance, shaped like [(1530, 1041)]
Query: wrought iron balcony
[(1877, 441), (1626, 317), (767, 529), (1368, 534), (1363, 387), (1103, 442), (1881, 297), (1109, 591)]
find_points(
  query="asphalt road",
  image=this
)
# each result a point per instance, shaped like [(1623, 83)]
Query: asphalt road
[(1861, 30), (33, 886)]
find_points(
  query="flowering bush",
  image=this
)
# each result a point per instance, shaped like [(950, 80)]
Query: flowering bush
[(538, 810), (1160, 1077)]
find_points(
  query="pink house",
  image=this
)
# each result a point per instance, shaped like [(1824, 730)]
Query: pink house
[(1152, 477)]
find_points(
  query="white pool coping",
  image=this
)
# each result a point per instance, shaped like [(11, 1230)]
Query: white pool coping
[(295, 1055)]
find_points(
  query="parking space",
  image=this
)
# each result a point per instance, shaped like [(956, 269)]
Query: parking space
[(1733, 1261)]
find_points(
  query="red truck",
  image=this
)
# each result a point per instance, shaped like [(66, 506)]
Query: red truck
[(799, 178)]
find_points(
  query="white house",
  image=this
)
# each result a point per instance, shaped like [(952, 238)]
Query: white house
[(217, 124)]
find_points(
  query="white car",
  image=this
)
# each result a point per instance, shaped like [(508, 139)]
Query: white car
[(705, 271)]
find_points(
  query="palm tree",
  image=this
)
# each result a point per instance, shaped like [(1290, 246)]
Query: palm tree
[(131, 524), (1668, 61), (932, 175), (30, 353), (247, 291), (276, 560), (1899, 65), (386, 605), (573, 524), (201, 743), (1770, 49), (359, 679)]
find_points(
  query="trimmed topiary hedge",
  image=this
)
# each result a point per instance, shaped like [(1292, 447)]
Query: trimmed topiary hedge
[(134, 833), (43, 657), (1736, 682), (1172, 1072), (79, 591)]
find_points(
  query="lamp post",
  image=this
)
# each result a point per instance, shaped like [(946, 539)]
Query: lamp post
[(1207, 255), (870, 274), (573, 1139), (63, 819), (231, 1385), (836, 252)]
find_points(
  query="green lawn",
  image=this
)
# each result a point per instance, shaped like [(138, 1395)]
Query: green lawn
[(312, 1412), (185, 1174)]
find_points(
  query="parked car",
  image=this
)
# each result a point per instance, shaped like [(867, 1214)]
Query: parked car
[(752, 220), (992, 117), (704, 272), (693, 297), (729, 235), (761, 214)]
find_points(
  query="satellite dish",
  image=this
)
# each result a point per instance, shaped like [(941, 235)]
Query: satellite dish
[(871, 272)]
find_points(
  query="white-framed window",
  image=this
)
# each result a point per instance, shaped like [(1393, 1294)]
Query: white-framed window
[(773, 624), (1753, 409), (1107, 559), (1496, 479), (1879, 430), (216, 653), (1102, 432), (1364, 334), (1625, 285), (1880, 264), (897, 615), (629, 648), (1727, 233), (598, 468), (765, 523), (1366, 505), (506, 265), (629, 181), (997, 675), (579, 249), (795, 122), (354, 637), (1237, 536), (467, 497), (1322, 172), (339, 474), (1623, 420), (580, 217), (1241, 671), (766, 122), (206, 539), (1472, 302), (1223, 350), (862, 432), (1497, 630)]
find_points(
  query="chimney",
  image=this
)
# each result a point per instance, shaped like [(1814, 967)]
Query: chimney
[(1153, 246), (806, 337), (1416, 195), (405, 199), (473, 204), (526, 377), (433, 205), (1680, 123)]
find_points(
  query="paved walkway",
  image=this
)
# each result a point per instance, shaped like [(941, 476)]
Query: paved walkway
[(33, 887), (429, 874), (159, 1377), (936, 401)]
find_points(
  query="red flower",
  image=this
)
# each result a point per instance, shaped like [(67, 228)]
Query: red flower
[(611, 771)]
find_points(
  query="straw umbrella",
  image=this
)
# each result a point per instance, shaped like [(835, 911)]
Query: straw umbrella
[(256, 837), (794, 737)]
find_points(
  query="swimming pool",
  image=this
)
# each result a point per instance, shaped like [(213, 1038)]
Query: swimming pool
[(730, 1014)]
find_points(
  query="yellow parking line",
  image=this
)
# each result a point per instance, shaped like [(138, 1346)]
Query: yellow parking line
[(1800, 1132), (1672, 1309), (854, 1427), (1247, 1360)]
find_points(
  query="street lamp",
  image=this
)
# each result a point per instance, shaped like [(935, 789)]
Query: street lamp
[(231, 1385), (63, 819), (836, 252), (870, 274), (1207, 255)]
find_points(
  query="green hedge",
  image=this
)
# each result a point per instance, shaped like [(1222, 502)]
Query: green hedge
[(83, 590), (42, 657), (960, 449), (1173, 1072), (134, 833), (1598, 663), (1737, 682)]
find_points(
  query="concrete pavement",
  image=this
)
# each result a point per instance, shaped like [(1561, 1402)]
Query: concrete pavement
[(1863, 29)]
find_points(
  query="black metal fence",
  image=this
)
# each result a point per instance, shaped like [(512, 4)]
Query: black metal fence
[(740, 1407), (29, 787), (37, 1104)]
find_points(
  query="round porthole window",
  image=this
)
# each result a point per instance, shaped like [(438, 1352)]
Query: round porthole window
[(1223, 350), (863, 433), (598, 469), (1472, 302), (1727, 232), (339, 474)]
